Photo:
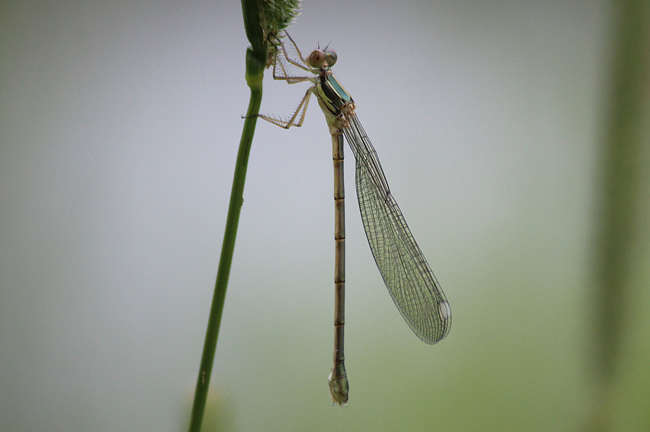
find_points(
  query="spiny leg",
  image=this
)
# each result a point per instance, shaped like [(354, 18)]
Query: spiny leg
[(282, 56), (285, 76), (300, 112), (304, 65)]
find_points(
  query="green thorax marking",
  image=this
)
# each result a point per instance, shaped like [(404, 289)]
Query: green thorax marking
[(331, 93)]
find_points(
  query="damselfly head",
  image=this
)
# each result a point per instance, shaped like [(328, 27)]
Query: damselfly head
[(318, 58)]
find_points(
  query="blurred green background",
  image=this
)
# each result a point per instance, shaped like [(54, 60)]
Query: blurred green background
[(119, 126)]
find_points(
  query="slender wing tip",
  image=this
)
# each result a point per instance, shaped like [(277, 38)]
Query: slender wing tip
[(440, 328)]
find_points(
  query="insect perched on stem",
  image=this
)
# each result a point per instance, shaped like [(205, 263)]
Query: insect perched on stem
[(406, 273)]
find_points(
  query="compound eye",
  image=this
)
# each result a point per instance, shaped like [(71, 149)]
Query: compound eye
[(316, 59), (331, 57)]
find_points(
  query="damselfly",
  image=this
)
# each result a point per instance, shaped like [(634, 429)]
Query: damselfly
[(406, 273)]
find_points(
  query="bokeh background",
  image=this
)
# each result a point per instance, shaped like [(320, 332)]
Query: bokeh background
[(119, 127)]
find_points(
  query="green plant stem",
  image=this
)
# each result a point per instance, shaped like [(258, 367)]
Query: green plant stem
[(621, 173), (255, 65), (621, 197), (272, 18), (223, 273)]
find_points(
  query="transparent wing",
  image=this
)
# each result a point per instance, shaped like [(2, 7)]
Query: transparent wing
[(406, 273)]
